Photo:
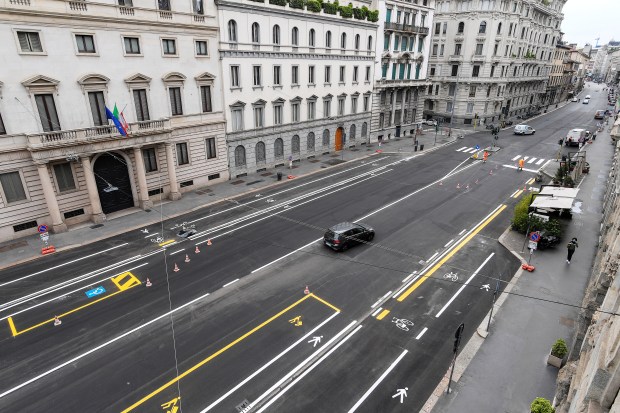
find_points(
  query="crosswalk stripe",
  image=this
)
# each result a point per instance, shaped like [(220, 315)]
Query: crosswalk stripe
[(459, 150), (472, 150), (525, 158), (540, 161), (516, 157), (531, 160)]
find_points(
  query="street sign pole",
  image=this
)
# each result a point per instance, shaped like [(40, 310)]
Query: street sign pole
[(457, 342)]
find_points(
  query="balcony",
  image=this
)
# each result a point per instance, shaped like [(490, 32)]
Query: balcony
[(409, 28), (90, 136), (383, 83), (455, 58)]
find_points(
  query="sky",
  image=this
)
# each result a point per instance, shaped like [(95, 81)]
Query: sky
[(585, 20)]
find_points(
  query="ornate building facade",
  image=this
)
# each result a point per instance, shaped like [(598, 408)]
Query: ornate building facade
[(61, 161), (491, 58), (297, 79)]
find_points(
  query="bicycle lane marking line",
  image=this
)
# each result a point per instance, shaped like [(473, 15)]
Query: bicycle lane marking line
[(450, 254)]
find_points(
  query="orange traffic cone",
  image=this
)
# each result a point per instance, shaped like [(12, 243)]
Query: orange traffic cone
[(148, 283), (197, 250), (187, 258), (57, 321), (176, 267), (306, 290), (209, 242)]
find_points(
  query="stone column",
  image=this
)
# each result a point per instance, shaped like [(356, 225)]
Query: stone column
[(143, 192), (172, 174), (93, 193), (50, 198)]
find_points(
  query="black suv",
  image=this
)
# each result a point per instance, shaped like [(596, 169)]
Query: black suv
[(347, 234)]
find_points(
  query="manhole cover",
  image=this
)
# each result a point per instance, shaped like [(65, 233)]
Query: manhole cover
[(96, 226)]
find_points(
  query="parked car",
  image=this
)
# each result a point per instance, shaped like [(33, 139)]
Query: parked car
[(574, 99), (599, 114), (586, 101), (524, 130), (588, 97), (431, 122), (575, 136), (342, 236), (508, 123)]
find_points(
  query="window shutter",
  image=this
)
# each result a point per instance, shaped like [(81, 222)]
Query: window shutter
[(23, 41), (35, 42)]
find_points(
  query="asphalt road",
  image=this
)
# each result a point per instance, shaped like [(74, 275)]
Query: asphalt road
[(233, 329)]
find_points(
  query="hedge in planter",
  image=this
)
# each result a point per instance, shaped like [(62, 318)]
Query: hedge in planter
[(541, 405), (373, 16), (313, 5), (521, 221), (346, 11), (330, 8), (360, 13), (559, 348), (296, 4), (278, 2)]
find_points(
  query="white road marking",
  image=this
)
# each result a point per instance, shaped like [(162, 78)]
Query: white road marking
[(472, 150), (232, 282), (514, 193), (99, 347), (462, 232), (269, 363), (545, 164), (70, 292), (62, 265), (409, 276), (151, 235), (419, 336), (377, 311), (449, 242), (464, 285), (540, 161), (460, 149), (301, 376), (531, 160), (376, 383), (432, 256), (381, 299), (177, 251), (515, 158), (525, 158), (525, 169)]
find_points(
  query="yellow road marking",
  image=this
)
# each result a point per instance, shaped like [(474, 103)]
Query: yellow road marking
[(133, 281), (449, 255), (518, 193), (122, 286), (296, 321), (217, 353), (326, 303), (170, 241), (382, 315), (531, 181)]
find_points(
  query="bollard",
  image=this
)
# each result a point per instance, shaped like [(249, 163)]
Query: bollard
[(279, 176), (415, 148), (422, 147)]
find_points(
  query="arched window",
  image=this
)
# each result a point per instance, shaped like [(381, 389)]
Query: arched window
[(276, 34), (352, 133), (343, 41), (310, 143), (295, 145), (240, 156), (326, 138), (364, 129), (255, 33), (483, 27), (499, 28), (328, 39), (369, 46), (357, 42), (260, 153), (232, 31), (278, 149), (295, 36), (311, 36), (461, 28)]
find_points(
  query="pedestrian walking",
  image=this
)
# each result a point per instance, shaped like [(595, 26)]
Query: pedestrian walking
[(572, 245), (485, 156), (290, 162), (521, 163)]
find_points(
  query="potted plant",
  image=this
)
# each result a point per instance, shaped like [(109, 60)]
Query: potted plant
[(558, 352), (541, 405), (373, 16), (313, 6)]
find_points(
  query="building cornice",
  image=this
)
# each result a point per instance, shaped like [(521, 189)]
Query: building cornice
[(259, 54)]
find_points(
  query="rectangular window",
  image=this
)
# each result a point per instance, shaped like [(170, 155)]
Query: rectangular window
[(492, 70), (367, 75), (259, 117), (435, 49), (470, 107), (437, 28), (327, 108), (142, 107), (394, 71), (451, 89), (449, 107), (295, 112), (353, 104), (311, 110), (472, 91), (479, 47), (342, 73), (237, 119), (30, 42), (132, 45), (150, 159), (85, 43), (277, 115), (64, 176), (432, 72), (366, 103), (328, 74), (182, 155), (211, 152), (455, 70), (295, 75), (47, 112), (355, 71), (97, 108), (2, 128), (341, 107), (403, 44), (12, 186), (386, 42), (176, 106), (234, 76), (205, 98), (442, 49), (476, 71), (384, 70), (256, 75), (396, 42), (276, 75), (457, 49), (202, 48), (445, 28), (311, 75)]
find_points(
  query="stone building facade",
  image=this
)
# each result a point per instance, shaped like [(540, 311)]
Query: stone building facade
[(61, 161), (561, 76), (296, 83), (491, 58), (401, 77)]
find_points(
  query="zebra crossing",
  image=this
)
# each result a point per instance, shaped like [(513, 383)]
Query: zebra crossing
[(531, 160)]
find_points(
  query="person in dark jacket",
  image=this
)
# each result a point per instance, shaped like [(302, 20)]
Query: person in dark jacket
[(572, 245)]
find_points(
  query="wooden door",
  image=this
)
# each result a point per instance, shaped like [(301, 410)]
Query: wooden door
[(339, 139)]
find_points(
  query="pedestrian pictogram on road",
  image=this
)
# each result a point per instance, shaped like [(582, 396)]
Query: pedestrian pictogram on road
[(315, 340), (402, 393), (296, 321), (171, 406)]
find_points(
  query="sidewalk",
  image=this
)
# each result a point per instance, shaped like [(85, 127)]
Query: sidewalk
[(507, 370), (29, 248)]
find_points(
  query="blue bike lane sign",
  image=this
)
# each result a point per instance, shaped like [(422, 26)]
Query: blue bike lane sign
[(95, 292)]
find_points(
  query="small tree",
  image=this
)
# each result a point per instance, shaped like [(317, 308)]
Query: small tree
[(559, 348), (541, 405), (373, 16)]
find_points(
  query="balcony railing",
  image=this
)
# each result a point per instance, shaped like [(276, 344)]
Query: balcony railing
[(406, 28)]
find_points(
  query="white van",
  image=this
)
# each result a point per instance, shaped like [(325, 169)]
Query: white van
[(524, 130), (575, 136)]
